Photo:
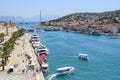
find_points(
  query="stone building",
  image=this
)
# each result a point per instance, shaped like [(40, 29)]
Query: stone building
[(7, 28)]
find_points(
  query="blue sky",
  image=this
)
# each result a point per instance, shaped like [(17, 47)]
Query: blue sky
[(28, 8)]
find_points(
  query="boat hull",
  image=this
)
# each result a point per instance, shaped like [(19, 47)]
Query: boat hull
[(45, 70)]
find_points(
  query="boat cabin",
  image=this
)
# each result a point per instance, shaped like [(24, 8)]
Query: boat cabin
[(83, 56)]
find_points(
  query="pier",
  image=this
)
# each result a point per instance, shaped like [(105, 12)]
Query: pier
[(28, 69)]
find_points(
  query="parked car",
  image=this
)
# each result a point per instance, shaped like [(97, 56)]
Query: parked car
[(10, 69)]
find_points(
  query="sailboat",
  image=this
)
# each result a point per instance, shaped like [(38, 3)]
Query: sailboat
[(42, 53)]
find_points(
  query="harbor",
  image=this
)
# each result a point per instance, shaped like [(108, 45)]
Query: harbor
[(59, 40), (64, 49), (53, 51)]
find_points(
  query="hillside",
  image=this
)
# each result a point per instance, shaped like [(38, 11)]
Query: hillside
[(86, 19)]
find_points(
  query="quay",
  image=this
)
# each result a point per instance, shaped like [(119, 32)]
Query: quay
[(20, 62)]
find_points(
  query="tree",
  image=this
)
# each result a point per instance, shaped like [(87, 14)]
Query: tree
[(9, 45), (2, 35)]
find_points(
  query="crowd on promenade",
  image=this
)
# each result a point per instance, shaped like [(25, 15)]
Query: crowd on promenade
[(23, 58)]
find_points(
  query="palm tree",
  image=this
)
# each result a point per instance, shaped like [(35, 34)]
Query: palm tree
[(2, 61), (6, 50), (3, 56), (2, 35), (3, 65), (9, 45)]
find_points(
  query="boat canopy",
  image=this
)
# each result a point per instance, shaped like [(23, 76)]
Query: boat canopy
[(81, 54)]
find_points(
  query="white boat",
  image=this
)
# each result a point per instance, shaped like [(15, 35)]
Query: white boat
[(42, 49), (83, 56), (35, 36), (65, 70), (35, 40), (45, 51), (45, 67), (36, 44)]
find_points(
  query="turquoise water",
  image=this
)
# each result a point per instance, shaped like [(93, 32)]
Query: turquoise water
[(104, 54)]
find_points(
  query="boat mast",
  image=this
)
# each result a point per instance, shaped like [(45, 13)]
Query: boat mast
[(40, 27), (40, 18)]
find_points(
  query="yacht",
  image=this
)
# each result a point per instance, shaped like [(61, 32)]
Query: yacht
[(34, 37), (45, 51), (65, 70), (44, 67), (42, 49), (35, 41), (83, 56)]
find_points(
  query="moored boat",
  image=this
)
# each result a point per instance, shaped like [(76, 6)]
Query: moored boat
[(42, 49), (44, 67), (35, 40), (65, 70), (42, 58)]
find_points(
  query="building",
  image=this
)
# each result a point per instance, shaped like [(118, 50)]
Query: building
[(112, 29), (7, 28)]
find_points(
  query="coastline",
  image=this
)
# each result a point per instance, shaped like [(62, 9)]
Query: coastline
[(23, 46)]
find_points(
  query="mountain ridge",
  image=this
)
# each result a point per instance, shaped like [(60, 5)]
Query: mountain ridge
[(29, 19), (12, 18)]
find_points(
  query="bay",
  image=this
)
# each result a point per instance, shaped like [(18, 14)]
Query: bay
[(104, 54)]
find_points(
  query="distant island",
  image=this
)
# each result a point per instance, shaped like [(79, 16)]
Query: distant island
[(106, 22)]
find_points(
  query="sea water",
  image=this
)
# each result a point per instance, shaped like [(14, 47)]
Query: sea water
[(104, 55)]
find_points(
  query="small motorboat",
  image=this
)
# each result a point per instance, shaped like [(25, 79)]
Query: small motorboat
[(83, 56), (65, 70)]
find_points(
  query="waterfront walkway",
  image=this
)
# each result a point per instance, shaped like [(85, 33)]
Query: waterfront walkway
[(21, 63)]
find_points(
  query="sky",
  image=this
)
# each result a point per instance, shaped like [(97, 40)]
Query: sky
[(29, 8)]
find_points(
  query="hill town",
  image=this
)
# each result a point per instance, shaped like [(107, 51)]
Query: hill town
[(106, 22)]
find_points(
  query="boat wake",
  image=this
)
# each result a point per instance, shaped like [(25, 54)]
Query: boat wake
[(51, 76)]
